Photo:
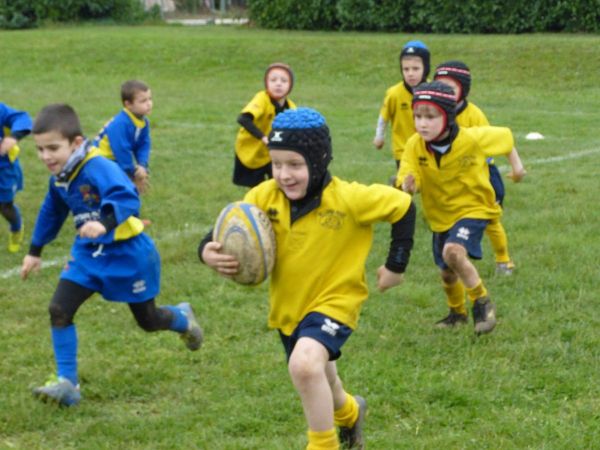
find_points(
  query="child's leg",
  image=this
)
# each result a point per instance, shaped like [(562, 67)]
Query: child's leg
[(178, 318), (11, 213), (67, 299), (307, 368), (495, 231)]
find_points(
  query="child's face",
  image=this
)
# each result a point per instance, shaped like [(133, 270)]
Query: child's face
[(412, 70), (455, 85), (278, 83), (142, 103), (429, 121), (290, 172), (54, 149)]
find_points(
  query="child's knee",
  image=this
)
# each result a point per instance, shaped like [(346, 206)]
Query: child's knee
[(304, 366), (58, 316), (453, 254)]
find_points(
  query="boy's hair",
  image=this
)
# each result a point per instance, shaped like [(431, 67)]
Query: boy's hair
[(458, 71), (438, 95), (417, 48), (58, 117), (282, 66), (132, 87), (305, 131)]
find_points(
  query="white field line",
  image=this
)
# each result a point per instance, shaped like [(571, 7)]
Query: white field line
[(554, 159), (168, 236)]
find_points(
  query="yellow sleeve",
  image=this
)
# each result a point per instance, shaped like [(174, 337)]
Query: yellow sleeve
[(377, 203), (493, 141), (409, 163), (256, 106)]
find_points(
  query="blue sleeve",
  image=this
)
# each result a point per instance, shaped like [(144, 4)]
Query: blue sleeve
[(142, 154), (120, 136), (19, 122), (118, 195), (51, 217)]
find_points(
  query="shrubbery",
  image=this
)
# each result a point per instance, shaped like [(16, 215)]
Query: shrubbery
[(426, 16), (30, 13)]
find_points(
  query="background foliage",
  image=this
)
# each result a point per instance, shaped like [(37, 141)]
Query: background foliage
[(531, 384), (469, 16), (16, 14)]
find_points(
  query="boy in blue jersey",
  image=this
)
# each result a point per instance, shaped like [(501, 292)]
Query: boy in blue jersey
[(14, 125), (457, 75), (111, 254), (126, 137)]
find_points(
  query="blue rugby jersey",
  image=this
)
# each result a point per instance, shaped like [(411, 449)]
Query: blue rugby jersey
[(96, 189), (126, 140)]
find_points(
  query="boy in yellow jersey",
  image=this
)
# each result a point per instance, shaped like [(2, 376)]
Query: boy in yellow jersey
[(126, 137), (252, 162), (457, 75), (446, 164), (414, 66), (324, 230)]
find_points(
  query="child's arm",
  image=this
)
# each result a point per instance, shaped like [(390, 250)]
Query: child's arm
[(379, 139), (517, 170), (19, 124), (210, 254), (141, 179), (246, 120), (7, 143), (121, 144), (392, 272)]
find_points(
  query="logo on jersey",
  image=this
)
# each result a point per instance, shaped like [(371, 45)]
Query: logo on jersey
[(463, 233), (467, 161), (423, 161), (331, 219), (404, 106), (88, 196), (272, 214), (139, 286), (277, 136), (330, 327)]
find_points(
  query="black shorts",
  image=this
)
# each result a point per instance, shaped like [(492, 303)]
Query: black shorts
[(244, 176)]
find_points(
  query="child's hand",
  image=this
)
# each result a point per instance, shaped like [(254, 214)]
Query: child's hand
[(387, 279), (141, 179), (518, 175), (30, 263), (408, 184), (378, 143), (92, 229), (6, 144), (225, 265), (265, 140)]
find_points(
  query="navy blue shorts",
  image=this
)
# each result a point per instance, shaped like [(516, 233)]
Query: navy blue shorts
[(123, 271), (497, 183), (466, 232), (329, 332)]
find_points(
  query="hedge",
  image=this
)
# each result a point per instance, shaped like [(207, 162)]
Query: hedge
[(427, 16), (16, 14)]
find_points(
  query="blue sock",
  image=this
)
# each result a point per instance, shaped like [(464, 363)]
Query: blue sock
[(16, 224), (180, 321), (64, 341)]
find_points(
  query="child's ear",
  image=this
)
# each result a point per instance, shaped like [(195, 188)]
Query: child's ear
[(127, 104), (78, 141)]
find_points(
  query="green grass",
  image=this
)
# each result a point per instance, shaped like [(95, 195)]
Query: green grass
[(532, 384)]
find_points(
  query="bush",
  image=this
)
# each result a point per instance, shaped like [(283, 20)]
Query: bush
[(16, 14), (425, 16)]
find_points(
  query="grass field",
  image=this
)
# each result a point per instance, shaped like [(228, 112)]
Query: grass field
[(532, 384)]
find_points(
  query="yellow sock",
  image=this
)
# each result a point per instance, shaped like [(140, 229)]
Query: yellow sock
[(495, 231), (477, 292), (347, 415), (323, 440), (455, 296)]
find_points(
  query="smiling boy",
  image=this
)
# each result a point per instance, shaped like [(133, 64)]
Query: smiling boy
[(111, 254)]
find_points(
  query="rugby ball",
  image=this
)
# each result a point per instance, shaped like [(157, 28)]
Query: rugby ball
[(245, 231)]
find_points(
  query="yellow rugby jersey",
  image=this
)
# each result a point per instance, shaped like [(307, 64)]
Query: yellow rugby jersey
[(472, 116), (252, 152), (397, 109), (460, 188), (320, 263)]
